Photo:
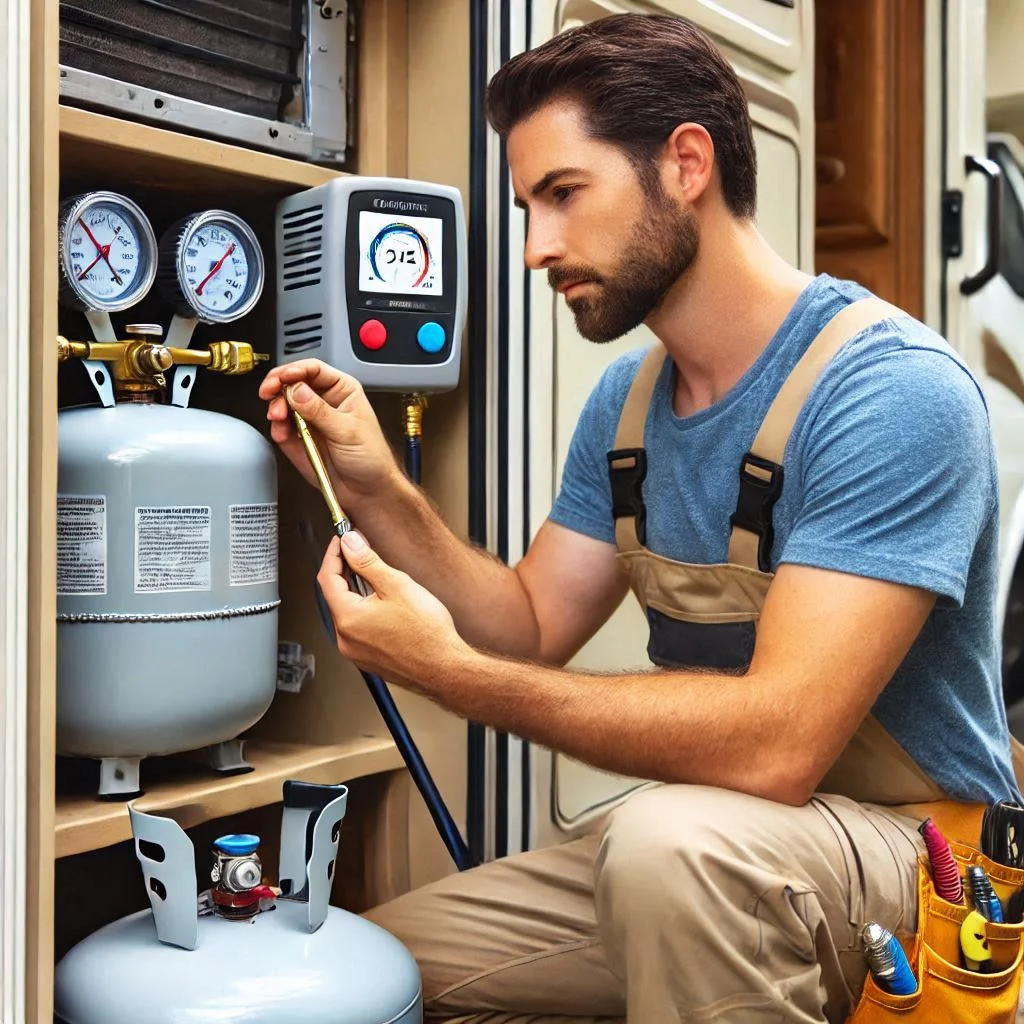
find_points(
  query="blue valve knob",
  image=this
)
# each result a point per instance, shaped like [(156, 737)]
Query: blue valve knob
[(237, 845)]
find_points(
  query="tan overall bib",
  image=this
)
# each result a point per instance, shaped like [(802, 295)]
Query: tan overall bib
[(705, 616)]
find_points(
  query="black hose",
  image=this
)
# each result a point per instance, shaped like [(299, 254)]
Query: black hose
[(424, 782), (442, 818), (412, 459), (443, 821)]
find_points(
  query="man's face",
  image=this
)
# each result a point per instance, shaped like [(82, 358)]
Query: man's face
[(611, 243)]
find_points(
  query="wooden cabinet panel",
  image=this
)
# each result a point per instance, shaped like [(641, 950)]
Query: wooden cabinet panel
[(853, 120), (869, 123)]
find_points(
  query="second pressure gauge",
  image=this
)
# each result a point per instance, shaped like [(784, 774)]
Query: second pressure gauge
[(211, 267), (107, 252)]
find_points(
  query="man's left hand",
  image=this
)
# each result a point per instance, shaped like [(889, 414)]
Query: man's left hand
[(401, 631)]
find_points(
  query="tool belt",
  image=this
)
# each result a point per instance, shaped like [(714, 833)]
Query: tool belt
[(947, 992)]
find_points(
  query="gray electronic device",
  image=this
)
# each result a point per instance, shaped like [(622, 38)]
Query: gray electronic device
[(371, 278)]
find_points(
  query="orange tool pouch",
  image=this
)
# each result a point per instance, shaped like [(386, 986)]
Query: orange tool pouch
[(947, 993)]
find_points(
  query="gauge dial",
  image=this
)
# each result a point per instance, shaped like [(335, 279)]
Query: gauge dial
[(211, 267), (107, 252)]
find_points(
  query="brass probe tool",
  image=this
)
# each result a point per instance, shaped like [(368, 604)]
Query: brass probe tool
[(338, 517)]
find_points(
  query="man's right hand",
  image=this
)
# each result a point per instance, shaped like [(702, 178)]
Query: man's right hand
[(341, 419)]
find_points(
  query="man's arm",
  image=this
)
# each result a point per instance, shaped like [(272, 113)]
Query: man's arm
[(545, 609), (773, 732)]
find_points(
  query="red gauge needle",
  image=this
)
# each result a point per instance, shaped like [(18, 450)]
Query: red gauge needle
[(216, 267), (102, 255), (102, 250)]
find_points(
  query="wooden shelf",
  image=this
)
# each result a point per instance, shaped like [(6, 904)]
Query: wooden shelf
[(161, 158), (85, 823)]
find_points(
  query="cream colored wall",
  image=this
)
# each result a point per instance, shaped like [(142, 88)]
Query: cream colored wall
[(1004, 69), (430, 114)]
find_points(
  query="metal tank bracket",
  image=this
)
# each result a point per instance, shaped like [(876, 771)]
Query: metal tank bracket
[(226, 757), (294, 666), (119, 777), (310, 833), (168, 861)]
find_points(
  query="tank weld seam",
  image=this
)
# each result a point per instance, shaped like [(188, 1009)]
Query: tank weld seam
[(219, 613)]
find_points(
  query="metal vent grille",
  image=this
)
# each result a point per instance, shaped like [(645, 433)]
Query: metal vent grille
[(238, 55), (302, 253), (303, 333)]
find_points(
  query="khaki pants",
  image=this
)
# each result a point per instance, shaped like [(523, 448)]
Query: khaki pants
[(694, 904)]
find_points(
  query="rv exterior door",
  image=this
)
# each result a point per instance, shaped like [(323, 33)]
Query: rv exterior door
[(544, 796), (975, 287)]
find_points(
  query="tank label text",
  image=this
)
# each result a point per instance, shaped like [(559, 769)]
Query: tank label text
[(81, 544), (253, 532), (172, 548)]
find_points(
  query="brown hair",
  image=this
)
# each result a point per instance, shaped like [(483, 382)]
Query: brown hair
[(637, 77)]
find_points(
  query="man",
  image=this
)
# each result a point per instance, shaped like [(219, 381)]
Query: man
[(736, 892)]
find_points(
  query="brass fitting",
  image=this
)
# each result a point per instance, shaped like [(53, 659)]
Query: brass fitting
[(412, 413), (139, 364), (230, 357)]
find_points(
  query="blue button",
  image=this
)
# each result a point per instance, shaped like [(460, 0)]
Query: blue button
[(237, 845), (430, 337)]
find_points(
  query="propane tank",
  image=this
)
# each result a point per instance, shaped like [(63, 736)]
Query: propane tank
[(245, 951), (167, 592)]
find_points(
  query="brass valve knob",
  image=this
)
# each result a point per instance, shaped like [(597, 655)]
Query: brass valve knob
[(145, 359)]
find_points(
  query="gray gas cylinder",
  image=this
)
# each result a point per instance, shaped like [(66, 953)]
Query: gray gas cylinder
[(167, 590), (299, 960)]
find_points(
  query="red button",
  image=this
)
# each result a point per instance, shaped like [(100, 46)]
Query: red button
[(373, 334)]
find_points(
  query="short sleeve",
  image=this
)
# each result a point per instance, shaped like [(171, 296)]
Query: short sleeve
[(897, 473), (584, 500)]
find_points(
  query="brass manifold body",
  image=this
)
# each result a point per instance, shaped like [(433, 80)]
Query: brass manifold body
[(138, 364)]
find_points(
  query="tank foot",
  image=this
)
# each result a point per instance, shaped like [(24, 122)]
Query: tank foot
[(119, 778), (227, 757)]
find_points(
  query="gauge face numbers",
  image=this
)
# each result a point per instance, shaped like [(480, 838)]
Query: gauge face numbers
[(107, 252), (220, 267)]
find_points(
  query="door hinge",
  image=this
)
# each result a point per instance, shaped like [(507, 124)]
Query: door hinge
[(952, 223)]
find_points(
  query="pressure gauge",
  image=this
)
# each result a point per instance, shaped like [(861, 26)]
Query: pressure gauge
[(107, 252), (211, 267)]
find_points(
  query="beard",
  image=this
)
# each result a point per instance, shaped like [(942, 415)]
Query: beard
[(663, 244)]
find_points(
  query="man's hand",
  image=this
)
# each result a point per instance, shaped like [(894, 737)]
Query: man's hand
[(335, 406), (401, 631)]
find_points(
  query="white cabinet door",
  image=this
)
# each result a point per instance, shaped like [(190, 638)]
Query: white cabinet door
[(975, 298), (15, 229), (771, 47)]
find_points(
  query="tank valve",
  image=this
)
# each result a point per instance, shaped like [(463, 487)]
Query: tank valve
[(239, 892), (139, 364)]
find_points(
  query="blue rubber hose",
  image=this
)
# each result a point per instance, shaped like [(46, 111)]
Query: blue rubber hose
[(424, 782)]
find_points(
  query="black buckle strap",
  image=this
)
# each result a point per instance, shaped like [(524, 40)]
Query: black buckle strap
[(627, 470), (758, 494)]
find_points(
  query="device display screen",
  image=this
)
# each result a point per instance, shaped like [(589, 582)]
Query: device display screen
[(400, 255)]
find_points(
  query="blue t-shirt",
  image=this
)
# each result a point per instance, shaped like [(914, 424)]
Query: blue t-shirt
[(889, 473)]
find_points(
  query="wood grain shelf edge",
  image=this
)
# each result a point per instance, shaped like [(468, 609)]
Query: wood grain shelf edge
[(146, 141), (84, 823)]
